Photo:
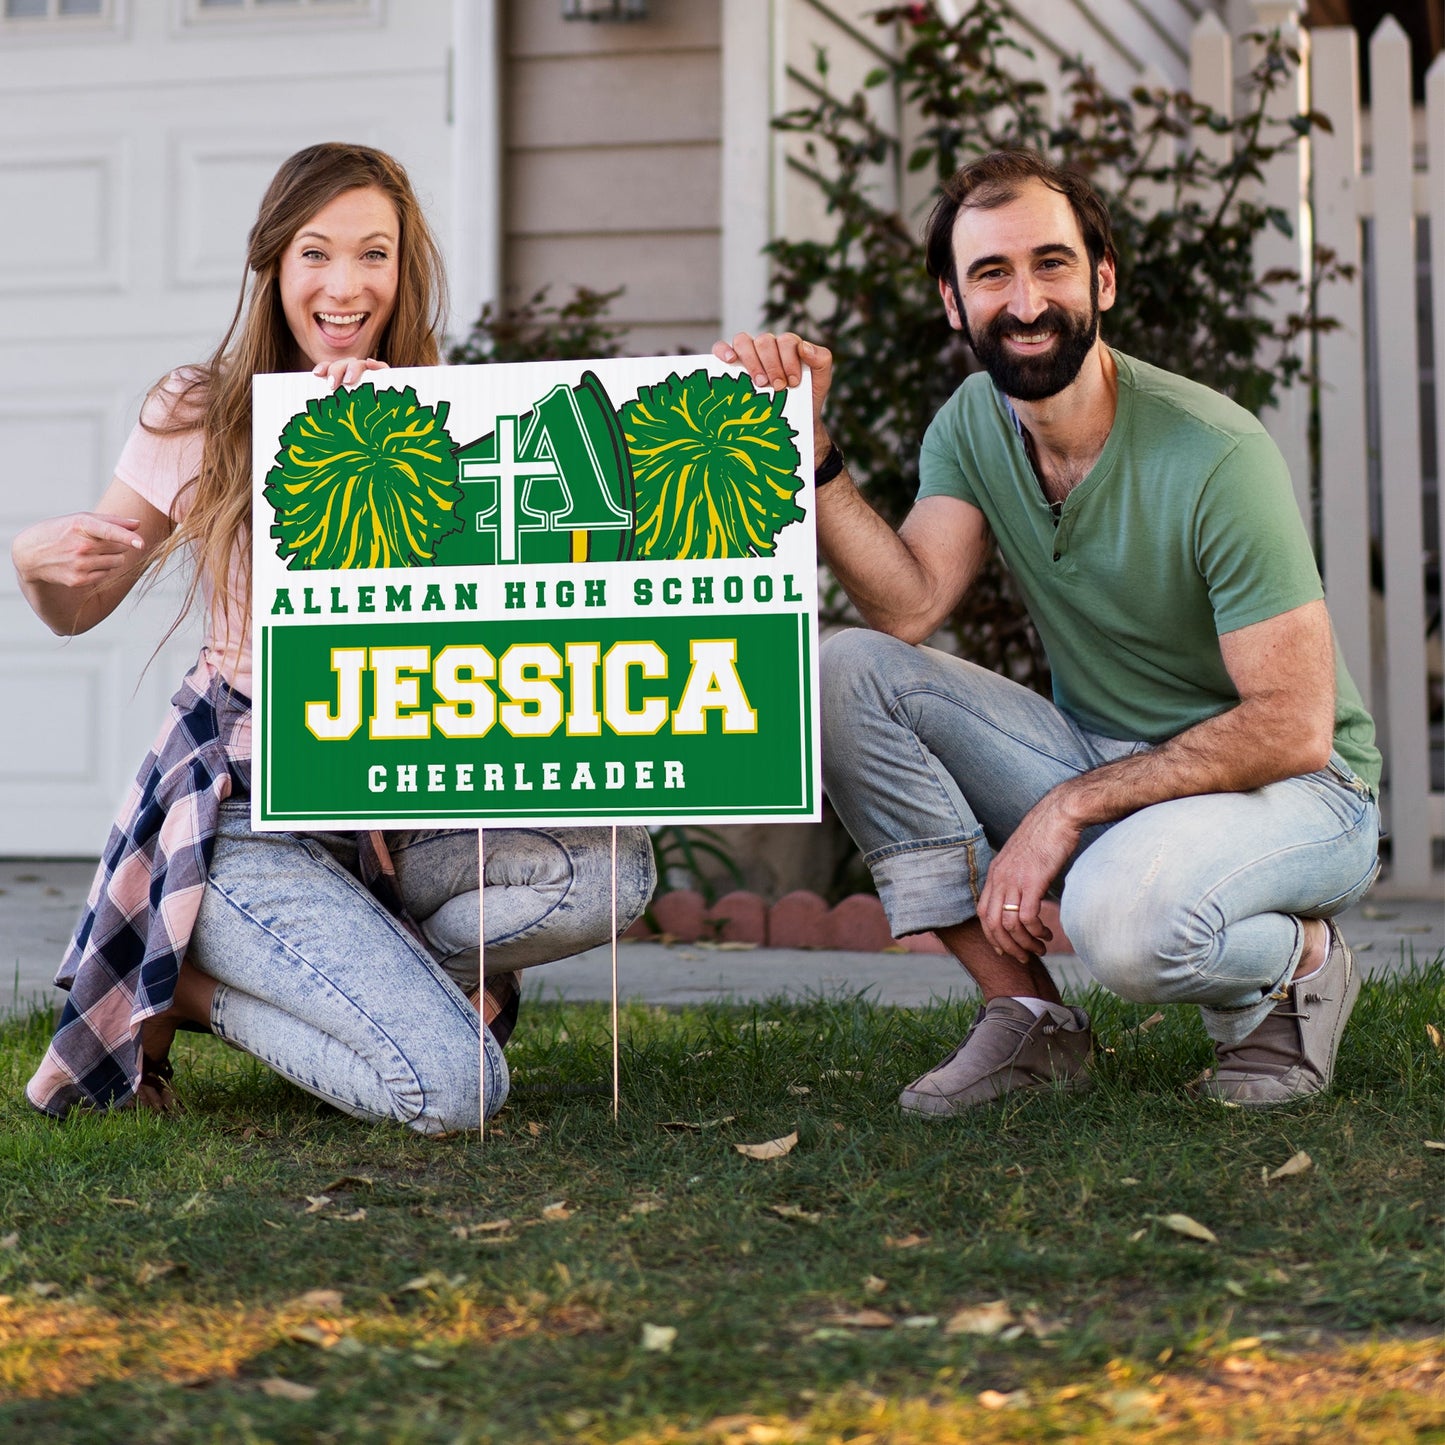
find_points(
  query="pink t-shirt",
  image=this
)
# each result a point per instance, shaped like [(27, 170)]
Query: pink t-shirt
[(157, 466)]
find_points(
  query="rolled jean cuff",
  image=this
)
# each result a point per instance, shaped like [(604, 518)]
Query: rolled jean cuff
[(930, 884), (1231, 1024)]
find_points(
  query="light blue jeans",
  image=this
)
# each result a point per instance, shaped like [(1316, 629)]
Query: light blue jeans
[(319, 981), (931, 762)]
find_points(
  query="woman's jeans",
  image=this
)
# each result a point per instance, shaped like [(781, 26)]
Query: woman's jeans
[(319, 981), (932, 762)]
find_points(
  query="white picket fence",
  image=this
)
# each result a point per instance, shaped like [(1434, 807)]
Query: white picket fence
[(1363, 190)]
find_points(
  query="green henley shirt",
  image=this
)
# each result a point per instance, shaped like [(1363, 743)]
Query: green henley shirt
[(1184, 529)]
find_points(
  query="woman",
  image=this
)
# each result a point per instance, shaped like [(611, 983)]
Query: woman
[(344, 961)]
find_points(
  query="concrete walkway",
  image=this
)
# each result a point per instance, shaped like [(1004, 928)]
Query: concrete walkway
[(40, 901)]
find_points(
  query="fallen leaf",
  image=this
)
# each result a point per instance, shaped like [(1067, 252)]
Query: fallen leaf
[(315, 1203), (1436, 1038), (321, 1299), (271, 1224), (355, 1217), (556, 1213), (432, 1279), (905, 1241), (918, 1322), (985, 1319), (1183, 1224), (993, 1400), (1153, 1021), (280, 1389), (841, 1074), (1130, 1407), (1128, 1179), (535, 1129), (646, 1206), (1297, 1163), (873, 1285), (770, 1149), (348, 1181), (153, 1270), (798, 1090), (312, 1335), (428, 1362), (1435, 1144), (659, 1338), (1040, 1328), (1137, 1235), (1235, 1288), (687, 1126), (490, 1226), (793, 1211), (44, 1288), (863, 1320), (1014, 1332), (10, 1240)]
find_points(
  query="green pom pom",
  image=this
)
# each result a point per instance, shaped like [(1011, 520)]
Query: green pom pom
[(714, 467), (364, 479)]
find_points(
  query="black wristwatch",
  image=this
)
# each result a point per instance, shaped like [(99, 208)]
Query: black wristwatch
[(833, 462)]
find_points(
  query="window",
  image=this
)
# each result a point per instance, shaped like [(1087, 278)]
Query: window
[(40, 11), (201, 12)]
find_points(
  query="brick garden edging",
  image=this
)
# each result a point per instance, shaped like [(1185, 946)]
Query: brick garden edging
[(797, 920)]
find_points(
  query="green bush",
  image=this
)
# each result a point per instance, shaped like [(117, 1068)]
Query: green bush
[(1185, 226)]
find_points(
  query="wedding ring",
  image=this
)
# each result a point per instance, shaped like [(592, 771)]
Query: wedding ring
[(1010, 908)]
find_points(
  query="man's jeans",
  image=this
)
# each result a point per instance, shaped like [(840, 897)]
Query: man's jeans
[(320, 982), (931, 762)]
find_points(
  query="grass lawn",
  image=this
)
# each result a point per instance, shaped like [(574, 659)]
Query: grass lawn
[(265, 1269)]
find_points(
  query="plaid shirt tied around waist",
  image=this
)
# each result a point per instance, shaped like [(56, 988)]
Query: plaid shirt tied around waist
[(122, 963), (128, 948)]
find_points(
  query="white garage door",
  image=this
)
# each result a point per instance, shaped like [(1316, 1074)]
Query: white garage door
[(135, 139)]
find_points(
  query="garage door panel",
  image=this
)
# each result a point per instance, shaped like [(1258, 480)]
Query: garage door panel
[(62, 209), (130, 172), (55, 448)]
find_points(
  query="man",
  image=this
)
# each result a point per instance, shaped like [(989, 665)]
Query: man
[(1202, 786)]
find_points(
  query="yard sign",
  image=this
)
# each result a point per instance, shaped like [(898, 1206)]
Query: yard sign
[(557, 593)]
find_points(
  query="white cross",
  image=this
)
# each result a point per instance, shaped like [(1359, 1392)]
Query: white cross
[(511, 475)]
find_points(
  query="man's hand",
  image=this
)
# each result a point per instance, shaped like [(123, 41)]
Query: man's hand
[(778, 361), (1020, 875)]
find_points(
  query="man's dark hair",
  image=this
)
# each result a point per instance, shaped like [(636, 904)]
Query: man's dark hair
[(995, 180)]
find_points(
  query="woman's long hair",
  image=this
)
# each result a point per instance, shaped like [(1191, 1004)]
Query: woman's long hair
[(216, 396)]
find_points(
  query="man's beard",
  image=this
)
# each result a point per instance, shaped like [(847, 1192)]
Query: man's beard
[(1033, 378)]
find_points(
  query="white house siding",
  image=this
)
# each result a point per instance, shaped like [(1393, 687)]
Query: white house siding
[(613, 160), (1127, 41), (132, 156)]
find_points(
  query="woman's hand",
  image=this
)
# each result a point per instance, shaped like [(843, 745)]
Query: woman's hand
[(75, 570), (778, 361), (85, 549), (347, 372)]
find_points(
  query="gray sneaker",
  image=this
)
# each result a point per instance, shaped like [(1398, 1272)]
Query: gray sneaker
[(1291, 1055), (1006, 1049)]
